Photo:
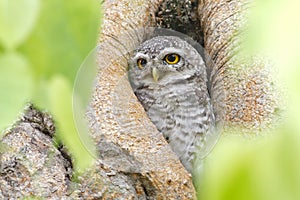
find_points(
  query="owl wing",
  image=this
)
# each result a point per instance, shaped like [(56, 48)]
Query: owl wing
[(210, 137)]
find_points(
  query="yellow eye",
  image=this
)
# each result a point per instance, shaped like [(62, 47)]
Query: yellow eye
[(172, 59), (141, 63)]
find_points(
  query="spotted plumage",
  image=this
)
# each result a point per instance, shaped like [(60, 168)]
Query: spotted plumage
[(169, 78)]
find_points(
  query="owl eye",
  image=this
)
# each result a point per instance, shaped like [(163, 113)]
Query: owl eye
[(141, 63), (172, 59)]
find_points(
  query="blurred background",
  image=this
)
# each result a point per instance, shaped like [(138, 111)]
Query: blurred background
[(43, 44)]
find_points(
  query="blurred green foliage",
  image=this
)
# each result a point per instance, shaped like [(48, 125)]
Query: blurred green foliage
[(42, 45), (264, 167)]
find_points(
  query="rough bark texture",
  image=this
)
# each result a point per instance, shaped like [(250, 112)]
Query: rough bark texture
[(135, 162), (131, 148), (30, 165), (251, 99)]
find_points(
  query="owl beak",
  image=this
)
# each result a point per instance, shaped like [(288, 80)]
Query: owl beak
[(155, 74)]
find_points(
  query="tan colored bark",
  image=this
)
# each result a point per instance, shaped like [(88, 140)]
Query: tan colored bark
[(121, 120), (251, 100)]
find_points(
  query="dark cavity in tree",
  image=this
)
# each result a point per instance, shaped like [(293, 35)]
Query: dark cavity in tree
[(182, 16)]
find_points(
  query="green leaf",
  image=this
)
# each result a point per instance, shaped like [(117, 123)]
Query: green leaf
[(60, 98), (65, 33), (16, 85), (260, 169), (17, 18), (85, 78)]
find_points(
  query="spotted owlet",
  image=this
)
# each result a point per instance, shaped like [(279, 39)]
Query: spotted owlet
[(169, 78)]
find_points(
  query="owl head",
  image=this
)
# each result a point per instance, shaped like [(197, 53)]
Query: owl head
[(163, 60)]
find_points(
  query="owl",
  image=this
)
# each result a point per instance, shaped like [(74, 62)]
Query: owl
[(169, 78)]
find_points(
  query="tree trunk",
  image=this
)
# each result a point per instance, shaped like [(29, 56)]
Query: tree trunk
[(250, 97)]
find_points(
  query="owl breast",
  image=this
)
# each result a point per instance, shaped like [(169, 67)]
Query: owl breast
[(181, 111)]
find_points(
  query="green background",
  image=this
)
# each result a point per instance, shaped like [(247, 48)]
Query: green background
[(42, 46)]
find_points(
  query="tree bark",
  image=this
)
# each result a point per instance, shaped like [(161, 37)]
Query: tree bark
[(250, 97), (122, 124), (30, 165)]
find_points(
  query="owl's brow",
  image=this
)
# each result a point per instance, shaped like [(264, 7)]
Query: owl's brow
[(140, 55)]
